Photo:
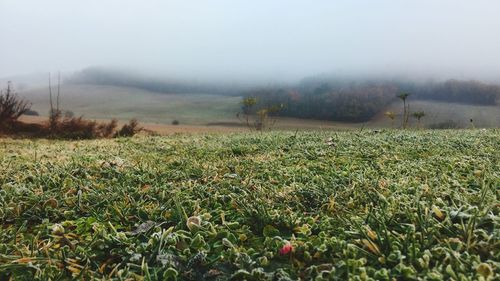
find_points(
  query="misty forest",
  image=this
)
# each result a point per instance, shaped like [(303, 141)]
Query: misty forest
[(249, 140)]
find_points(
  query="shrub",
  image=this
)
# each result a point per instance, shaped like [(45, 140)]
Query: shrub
[(79, 128), (72, 128), (69, 113), (11, 107), (107, 130), (129, 129), (31, 112), (391, 115), (175, 122)]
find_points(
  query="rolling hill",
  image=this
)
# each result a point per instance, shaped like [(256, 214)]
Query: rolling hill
[(105, 102), (123, 103)]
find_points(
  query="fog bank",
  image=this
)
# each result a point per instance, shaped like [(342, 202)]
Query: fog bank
[(254, 40)]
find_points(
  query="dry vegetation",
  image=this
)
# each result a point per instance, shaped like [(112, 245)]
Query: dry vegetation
[(58, 125)]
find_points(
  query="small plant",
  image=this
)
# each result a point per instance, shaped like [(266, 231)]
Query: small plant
[(261, 120), (391, 115), (55, 114), (247, 109), (175, 122), (406, 109), (418, 115)]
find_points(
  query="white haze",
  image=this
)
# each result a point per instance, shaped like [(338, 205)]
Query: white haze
[(275, 40)]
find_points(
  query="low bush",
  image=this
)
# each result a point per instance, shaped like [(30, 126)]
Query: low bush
[(129, 129), (79, 128), (31, 112), (106, 130), (75, 128), (69, 113)]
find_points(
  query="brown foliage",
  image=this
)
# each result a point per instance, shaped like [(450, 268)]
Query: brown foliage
[(72, 128), (60, 124), (129, 129), (79, 128), (106, 130)]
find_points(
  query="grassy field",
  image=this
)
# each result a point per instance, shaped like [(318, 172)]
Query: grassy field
[(156, 111), (394, 205), (106, 102)]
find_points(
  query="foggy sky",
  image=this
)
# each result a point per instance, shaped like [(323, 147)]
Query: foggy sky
[(258, 39)]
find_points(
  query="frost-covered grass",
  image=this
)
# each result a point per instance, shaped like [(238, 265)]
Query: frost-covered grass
[(272, 206)]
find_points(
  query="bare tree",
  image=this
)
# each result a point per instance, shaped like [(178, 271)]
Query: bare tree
[(264, 118), (248, 104), (406, 109), (11, 106), (58, 89), (55, 113)]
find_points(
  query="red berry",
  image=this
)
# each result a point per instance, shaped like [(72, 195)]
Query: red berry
[(287, 248)]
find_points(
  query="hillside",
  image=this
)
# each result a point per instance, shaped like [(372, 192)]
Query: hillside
[(106, 102), (393, 205)]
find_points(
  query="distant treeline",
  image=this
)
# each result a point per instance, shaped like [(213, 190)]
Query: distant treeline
[(325, 98), (110, 77), (361, 101)]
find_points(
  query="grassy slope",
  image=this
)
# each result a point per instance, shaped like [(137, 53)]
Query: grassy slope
[(388, 205), (105, 102)]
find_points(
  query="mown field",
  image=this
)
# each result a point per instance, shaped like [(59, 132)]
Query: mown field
[(393, 205)]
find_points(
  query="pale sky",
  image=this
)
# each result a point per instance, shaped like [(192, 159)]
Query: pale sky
[(254, 39)]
